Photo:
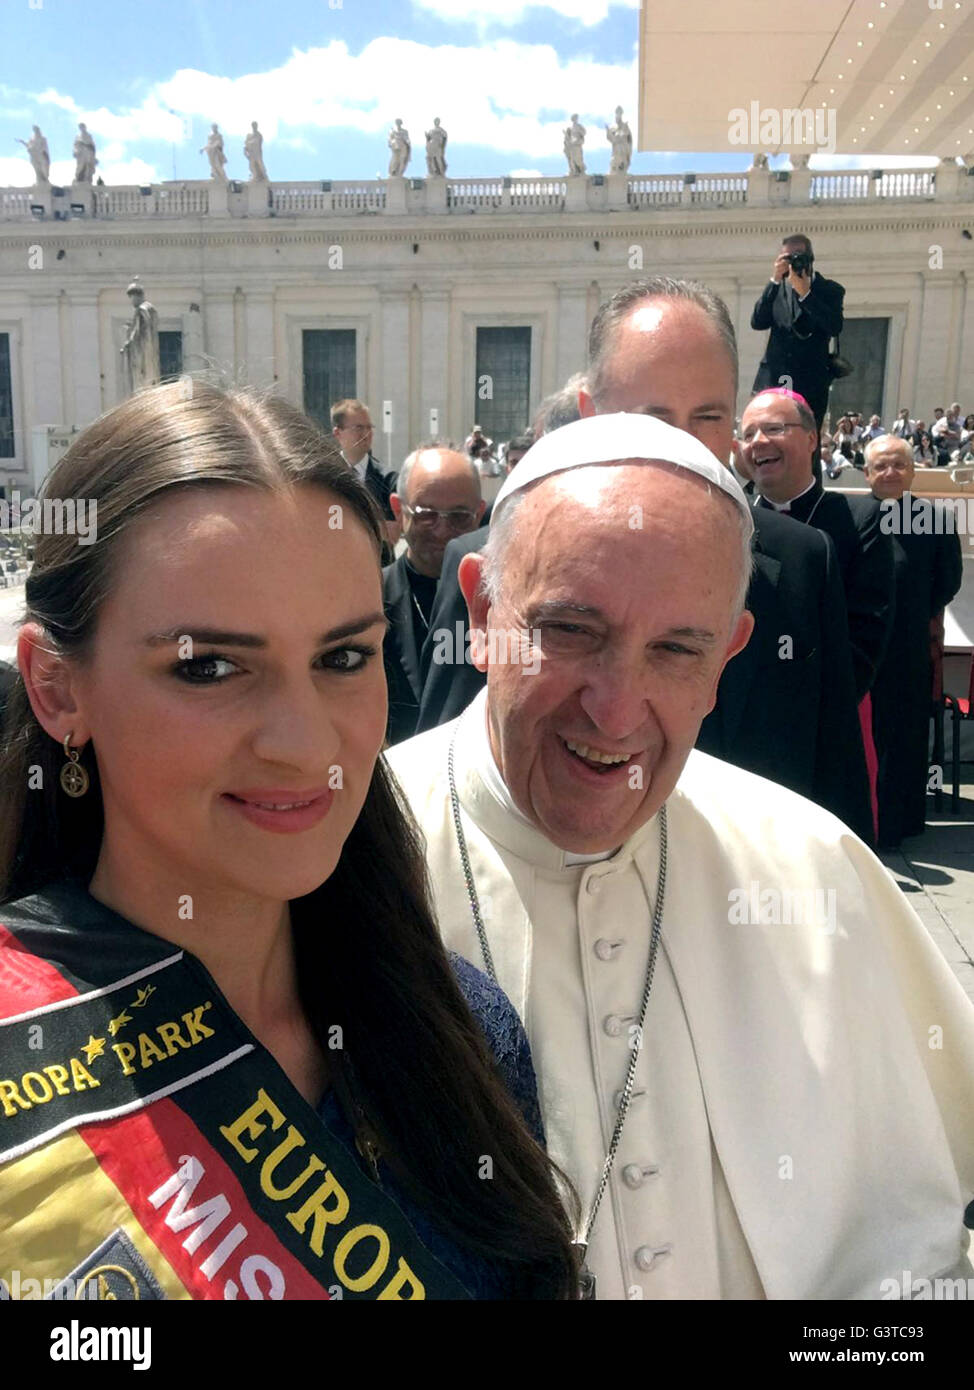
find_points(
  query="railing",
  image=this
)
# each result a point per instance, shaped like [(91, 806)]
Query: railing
[(15, 203), (474, 193), (488, 196), (655, 190), (719, 189)]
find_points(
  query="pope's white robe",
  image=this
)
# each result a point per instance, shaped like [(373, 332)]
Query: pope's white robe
[(802, 1124)]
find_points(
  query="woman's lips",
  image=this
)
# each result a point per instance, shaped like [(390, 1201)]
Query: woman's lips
[(282, 811)]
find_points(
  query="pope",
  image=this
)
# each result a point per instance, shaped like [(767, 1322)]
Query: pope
[(752, 1101)]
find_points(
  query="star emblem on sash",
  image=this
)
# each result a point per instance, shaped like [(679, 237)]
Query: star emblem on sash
[(93, 1048)]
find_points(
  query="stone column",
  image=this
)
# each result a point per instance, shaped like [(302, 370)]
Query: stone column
[(84, 194), (758, 187), (394, 371), (45, 361), (947, 186), (219, 193), (572, 332), (218, 336), (85, 352), (932, 387), (193, 338), (259, 337), (618, 185), (436, 194), (395, 193), (434, 357), (576, 193), (258, 198)]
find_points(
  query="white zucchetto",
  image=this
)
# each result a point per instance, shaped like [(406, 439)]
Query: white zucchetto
[(620, 438)]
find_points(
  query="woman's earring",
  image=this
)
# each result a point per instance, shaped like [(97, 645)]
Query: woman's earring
[(74, 778)]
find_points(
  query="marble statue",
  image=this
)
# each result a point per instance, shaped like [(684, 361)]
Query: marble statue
[(84, 154), (40, 155), (436, 150), (140, 351), (800, 161), (619, 137), (254, 150), (213, 149), (574, 140), (401, 149), (759, 160)]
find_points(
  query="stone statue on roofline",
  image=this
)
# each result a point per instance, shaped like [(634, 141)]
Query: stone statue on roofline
[(84, 155), (398, 143), (213, 149), (574, 141), (620, 138), (254, 150), (436, 150), (39, 155)]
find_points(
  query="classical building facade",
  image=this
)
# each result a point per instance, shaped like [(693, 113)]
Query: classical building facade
[(446, 301)]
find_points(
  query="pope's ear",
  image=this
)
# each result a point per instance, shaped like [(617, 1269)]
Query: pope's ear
[(48, 678), (470, 577), (739, 640)]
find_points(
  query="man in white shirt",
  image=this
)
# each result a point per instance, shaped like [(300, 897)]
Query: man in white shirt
[(353, 431), (786, 1124)]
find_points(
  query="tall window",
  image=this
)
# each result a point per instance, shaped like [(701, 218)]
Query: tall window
[(328, 357), (864, 344), (6, 400), (503, 385), (170, 356)]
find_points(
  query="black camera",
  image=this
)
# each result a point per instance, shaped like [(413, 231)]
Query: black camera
[(800, 262)]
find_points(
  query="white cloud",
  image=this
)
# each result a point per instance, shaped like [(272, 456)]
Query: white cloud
[(526, 174), (509, 96), (508, 12), (328, 88)]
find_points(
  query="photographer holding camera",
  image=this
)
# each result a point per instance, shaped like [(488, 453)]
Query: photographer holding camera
[(804, 312)]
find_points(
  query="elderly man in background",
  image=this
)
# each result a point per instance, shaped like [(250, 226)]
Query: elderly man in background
[(685, 942), (928, 572), (437, 497), (449, 685)]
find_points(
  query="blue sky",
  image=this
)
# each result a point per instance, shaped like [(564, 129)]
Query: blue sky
[(324, 79)]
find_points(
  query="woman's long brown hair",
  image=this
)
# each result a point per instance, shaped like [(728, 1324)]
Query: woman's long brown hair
[(368, 952)]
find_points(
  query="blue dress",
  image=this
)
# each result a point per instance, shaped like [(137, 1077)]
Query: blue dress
[(508, 1042)]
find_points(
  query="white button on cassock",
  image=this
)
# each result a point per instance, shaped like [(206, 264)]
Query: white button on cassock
[(614, 1024), (647, 1257), (594, 884), (634, 1176), (605, 950)]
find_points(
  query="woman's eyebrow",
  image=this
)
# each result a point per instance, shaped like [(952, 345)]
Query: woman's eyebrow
[(218, 637)]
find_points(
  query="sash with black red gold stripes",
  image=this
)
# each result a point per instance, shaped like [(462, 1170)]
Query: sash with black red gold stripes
[(150, 1147)]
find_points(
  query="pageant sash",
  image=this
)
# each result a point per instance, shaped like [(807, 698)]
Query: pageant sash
[(150, 1147)]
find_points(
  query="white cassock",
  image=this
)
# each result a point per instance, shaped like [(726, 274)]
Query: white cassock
[(802, 1123)]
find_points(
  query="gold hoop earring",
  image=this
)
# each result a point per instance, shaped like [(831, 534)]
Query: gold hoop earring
[(74, 778)]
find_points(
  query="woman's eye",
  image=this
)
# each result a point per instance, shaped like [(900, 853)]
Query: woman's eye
[(348, 658), (204, 670)]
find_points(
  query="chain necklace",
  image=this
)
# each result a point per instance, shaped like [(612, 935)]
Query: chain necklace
[(587, 1278)]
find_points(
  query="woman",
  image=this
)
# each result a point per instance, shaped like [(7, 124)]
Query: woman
[(204, 856), (924, 454)]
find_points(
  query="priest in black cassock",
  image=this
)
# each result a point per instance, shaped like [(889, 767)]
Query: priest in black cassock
[(928, 572)]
